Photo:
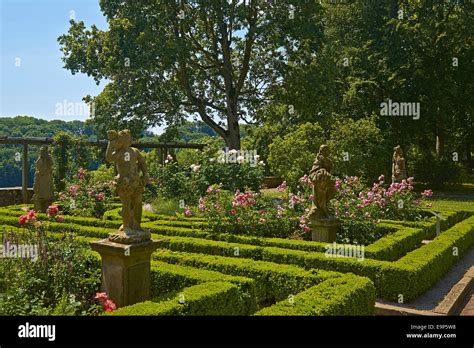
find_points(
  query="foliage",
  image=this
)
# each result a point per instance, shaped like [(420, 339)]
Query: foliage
[(346, 295), (248, 213), (182, 183), (87, 195), (359, 209), (274, 282), (429, 169), (358, 149), (213, 298), (291, 157), (70, 154), (61, 280), (172, 60)]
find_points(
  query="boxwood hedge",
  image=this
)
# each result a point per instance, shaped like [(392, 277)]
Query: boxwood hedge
[(212, 298), (346, 295)]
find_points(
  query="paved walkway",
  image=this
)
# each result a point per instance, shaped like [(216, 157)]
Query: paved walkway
[(469, 308)]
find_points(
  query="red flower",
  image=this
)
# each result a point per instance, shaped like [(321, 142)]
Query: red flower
[(109, 306), (101, 295), (31, 215), (22, 220), (60, 219), (52, 211)]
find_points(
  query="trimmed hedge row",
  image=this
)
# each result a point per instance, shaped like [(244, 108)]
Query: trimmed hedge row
[(109, 223), (213, 298), (390, 247), (346, 295), (273, 282), (423, 267), (166, 278), (81, 239), (86, 221), (114, 214), (394, 245), (89, 231), (391, 278)]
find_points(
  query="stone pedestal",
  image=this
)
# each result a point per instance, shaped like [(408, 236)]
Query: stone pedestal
[(126, 270), (324, 230)]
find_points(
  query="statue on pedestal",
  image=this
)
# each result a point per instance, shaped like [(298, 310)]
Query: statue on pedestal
[(399, 170), (323, 225), (126, 254), (323, 184), (130, 182), (43, 186)]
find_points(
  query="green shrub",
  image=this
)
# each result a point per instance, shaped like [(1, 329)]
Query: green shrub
[(273, 282), (213, 298), (291, 157), (115, 214), (346, 295), (363, 142), (60, 278), (85, 195), (430, 169), (166, 278), (429, 263)]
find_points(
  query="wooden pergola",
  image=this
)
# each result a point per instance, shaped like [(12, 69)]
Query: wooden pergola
[(25, 142)]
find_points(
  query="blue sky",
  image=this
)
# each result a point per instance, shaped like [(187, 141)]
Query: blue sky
[(29, 32)]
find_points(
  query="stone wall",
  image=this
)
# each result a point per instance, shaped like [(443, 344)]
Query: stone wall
[(12, 195)]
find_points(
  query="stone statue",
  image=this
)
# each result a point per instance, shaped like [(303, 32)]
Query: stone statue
[(130, 184), (399, 170), (323, 184), (43, 186)]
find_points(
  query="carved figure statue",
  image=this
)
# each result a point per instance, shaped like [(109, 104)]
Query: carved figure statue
[(130, 182), (323, 184), (399, 171), (43, 186)]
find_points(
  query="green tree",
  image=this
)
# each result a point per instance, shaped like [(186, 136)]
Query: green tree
[(216, 59), (291, 156), (358, 148)]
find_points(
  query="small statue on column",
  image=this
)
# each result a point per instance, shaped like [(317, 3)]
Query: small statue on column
[(126, 254), (323, 184), (323, 225), (43, 186), (130, 182), (399, 170)]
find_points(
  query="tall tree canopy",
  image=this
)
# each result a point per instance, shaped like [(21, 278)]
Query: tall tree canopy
[(216, 59)]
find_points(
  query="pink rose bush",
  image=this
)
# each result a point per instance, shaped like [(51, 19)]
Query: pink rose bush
[(31, 219), (248, 213), (359, 208), (107, 304), (86, 197)]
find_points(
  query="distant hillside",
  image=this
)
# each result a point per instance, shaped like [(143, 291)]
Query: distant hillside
[(27, 126)]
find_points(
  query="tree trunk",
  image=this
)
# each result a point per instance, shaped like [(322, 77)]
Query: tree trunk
[(440, 138), (440, 144), (232, 138)]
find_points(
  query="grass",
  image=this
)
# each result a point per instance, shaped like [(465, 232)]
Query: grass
[(451, 204)]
